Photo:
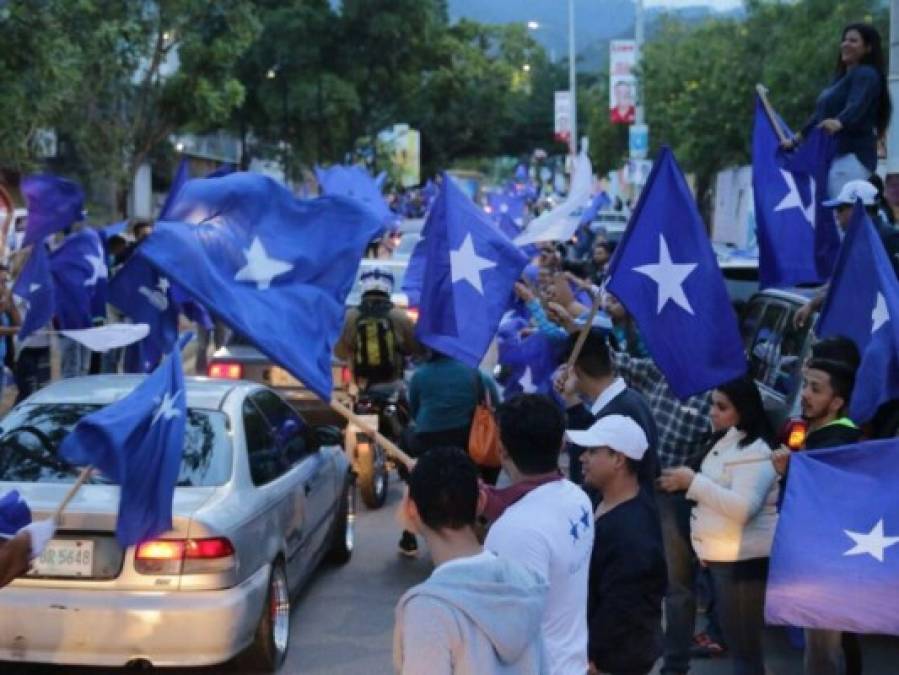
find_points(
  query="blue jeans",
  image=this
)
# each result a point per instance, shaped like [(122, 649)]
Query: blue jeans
[(680, 600), (740, 588), (842, 170)]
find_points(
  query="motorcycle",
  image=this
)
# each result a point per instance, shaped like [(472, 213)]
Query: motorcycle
[(384, 407)]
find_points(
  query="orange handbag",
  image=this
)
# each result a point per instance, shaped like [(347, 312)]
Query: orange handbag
[(483, 439)]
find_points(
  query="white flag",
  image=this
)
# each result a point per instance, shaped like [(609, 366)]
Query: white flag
[(112, 336), (560, 223)]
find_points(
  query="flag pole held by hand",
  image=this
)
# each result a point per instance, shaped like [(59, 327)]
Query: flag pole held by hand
[(766, 104), (85, 474), (391, 447), (585, 330)]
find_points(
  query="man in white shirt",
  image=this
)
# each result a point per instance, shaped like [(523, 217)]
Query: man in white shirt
[(549, 529)]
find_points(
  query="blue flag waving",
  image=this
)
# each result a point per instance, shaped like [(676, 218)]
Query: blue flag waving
[(791, 223), (54, 203), (145, 296), (666, 274), (80, 279), (835, 558), (14, 514), (469, 269), (863, 305), (354, 182), (138, 442), (34, 288), (182, 175), (276, 269)]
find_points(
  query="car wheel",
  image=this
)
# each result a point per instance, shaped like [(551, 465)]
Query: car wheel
[(373, 476), (269, 648), (344, 536)]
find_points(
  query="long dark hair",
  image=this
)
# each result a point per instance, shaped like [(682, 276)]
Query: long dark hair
[(744, 396), (873, 58)]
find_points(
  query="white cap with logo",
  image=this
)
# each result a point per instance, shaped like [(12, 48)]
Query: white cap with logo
[(853, 191), (617, 432)]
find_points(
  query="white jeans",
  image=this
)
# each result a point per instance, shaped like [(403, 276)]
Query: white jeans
[(842, 170)]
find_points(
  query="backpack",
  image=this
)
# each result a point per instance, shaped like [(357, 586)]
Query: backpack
[(376, 354)]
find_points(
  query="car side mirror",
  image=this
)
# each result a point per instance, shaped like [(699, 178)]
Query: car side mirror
[(326, 435)]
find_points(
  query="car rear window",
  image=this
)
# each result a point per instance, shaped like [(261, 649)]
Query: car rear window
[(30, 437)]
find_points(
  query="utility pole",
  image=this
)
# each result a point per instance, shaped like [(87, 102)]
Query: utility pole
[(638, 38), (572, 80), (892, 181)]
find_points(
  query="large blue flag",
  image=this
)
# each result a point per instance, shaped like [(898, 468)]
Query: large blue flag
[(54, 204), (34, 288), (145, 296), (863, 305), (276, 269), (354, 182), (80, 278), (666, 274), (835, 558), (503, 204), (470, 268), (138, 443), (791, 223)]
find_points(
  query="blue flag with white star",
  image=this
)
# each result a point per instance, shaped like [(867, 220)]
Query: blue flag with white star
[(529, 362), (145, 296), (274, 268), (34, 288), (502, 204), (795, 233), (863, 305), (666, 274), (469, 269), (80, 278), (54, 204), (835, 558), (137, 443), (356, 183)]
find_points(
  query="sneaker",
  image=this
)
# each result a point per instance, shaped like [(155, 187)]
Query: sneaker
[(704, 647), (408, 545)]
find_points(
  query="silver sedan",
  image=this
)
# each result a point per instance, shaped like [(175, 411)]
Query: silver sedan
[(261, 499)]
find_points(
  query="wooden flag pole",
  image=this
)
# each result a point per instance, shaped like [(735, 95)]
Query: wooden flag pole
[(85, 474), (585, 330), (391, 447), (769, 110)]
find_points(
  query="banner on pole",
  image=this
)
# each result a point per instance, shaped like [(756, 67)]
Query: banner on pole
[(622, 81)]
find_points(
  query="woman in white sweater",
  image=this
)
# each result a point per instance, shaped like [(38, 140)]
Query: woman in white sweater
[(732, 524)]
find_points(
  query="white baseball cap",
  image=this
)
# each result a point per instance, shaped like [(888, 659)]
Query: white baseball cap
[(617, 432), (852, 192)]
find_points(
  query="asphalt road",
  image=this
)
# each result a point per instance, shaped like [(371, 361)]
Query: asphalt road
[(342, 623)]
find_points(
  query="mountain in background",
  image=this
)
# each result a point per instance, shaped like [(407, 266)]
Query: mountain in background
[(595, 23)]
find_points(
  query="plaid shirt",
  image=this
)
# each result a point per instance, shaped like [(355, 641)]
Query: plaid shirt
[(685, 427)]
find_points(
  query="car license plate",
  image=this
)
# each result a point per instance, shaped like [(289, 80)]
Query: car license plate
[(281, 378), (65, 558)]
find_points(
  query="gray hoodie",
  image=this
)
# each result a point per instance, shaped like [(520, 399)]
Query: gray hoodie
[(473, 616)]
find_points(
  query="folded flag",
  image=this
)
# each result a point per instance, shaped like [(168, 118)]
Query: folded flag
[(14, 514), (863, 305), (665, 272), (35, 291), (791, 223), (835, 558), (54, 204), (276, 269), (469, 271), (138, 442)]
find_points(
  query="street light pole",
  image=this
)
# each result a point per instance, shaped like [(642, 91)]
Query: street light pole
[(572, 79), (638, 38)]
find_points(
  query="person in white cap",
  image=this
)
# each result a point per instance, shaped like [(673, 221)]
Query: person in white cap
[(842, 205), (628, 573)]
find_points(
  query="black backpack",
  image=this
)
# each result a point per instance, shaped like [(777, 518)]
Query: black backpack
[(376, 354)]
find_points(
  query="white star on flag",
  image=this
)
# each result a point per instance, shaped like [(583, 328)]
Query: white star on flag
[(98, 269), (792, 200), (260, 268), (527, 382), (669, 276), (167, 409), (465, 264), (880, 314), (872, 543), (34, 287)]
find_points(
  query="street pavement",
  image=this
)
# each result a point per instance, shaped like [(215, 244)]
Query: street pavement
[(342, 623)]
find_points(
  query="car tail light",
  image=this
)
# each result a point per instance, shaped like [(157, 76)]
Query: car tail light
[(226, 371), (412, 313), (184, 556), (345, 376), (793, 434)]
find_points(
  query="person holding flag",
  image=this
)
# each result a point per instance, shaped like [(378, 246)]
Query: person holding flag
[(21, 540)]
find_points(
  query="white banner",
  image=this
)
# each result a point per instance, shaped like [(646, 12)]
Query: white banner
[(562, 115), (622, 81)]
